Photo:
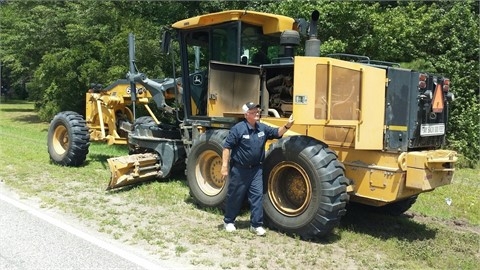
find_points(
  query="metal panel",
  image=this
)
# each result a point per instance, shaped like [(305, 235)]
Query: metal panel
[(348, 98), (231, 86), (271, 23), (372, 104), (398, 107)]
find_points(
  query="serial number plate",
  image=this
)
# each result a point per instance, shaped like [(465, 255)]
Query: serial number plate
[(432, 130)]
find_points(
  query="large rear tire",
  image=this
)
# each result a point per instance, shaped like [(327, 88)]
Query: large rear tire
[(68, 139), (204, 163), (306, 187)]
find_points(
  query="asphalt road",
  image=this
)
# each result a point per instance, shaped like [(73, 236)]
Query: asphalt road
[(32, 238)]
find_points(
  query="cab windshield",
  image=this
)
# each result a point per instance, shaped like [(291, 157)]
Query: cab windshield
[(224, 43)]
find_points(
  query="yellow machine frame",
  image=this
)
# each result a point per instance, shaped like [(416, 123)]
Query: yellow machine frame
[(378, 177), (105, 108)]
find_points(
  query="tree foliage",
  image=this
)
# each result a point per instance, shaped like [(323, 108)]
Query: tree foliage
[(54, 50)]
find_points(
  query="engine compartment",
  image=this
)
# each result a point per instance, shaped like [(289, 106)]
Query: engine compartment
[(279, 84)]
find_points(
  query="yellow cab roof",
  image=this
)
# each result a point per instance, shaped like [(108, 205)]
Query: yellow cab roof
[(271, 23)]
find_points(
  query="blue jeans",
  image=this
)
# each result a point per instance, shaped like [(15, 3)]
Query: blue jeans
[(249, 182)]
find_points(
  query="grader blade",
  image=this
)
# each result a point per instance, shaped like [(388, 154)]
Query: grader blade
[(128, 170)]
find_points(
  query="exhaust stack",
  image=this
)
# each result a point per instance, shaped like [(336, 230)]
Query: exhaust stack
[(312, 45)]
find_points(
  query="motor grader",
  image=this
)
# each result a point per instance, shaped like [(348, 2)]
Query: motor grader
[(365, 131)]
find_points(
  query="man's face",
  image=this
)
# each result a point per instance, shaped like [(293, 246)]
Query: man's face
[(253, 114)]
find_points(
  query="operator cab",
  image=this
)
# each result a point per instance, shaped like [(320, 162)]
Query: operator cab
[(221, 56), (234, 42)]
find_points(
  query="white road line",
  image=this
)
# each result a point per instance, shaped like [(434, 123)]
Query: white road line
[(118, 251)]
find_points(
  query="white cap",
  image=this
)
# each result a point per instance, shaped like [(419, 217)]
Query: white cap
[(249, 106)]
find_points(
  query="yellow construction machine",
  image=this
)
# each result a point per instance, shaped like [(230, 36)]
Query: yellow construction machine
[(109, 114), (108, 108), (365, 131)]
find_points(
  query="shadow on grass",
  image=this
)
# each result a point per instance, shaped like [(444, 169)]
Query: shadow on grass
[(96, 155), (363, 221), (31, 119), (358, 220), (14, 101), (93, 158), (16, 110), (100, 158), (243, 224)]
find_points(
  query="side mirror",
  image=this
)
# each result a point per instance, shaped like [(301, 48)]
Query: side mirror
[(165, 42)]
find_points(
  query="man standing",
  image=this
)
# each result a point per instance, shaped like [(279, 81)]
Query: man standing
[(244, 149)]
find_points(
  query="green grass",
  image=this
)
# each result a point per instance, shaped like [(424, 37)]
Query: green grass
[(160, 215), (464, 195)]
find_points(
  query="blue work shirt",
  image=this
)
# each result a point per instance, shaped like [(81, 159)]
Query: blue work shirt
[(247, 144)]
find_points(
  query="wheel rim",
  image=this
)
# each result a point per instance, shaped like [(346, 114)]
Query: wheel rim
[(207, 173), (289, 189), (60, 140)]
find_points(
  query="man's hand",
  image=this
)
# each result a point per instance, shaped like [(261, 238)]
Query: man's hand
[(290, 121), (225, 159), (224, 172), (287, 126)]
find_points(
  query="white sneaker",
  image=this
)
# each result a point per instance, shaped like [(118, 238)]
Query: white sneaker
[(229, 227), (260, 231)]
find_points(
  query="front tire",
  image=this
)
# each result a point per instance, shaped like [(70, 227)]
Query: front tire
[(68, 139), (305, 191), (204, 164)]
